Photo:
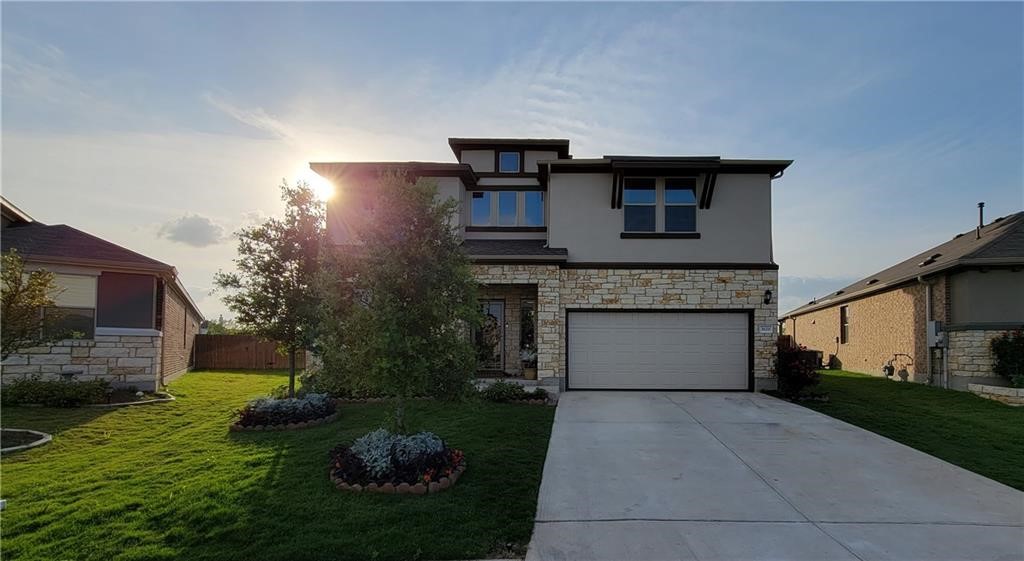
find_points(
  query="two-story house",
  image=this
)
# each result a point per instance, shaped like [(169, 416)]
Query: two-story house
[(622, 272)]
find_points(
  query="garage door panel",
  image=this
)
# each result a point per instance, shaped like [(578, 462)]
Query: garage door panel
[(658, 350)]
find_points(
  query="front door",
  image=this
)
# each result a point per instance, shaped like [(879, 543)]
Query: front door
[(490, 337)]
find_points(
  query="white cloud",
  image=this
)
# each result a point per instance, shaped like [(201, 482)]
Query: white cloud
[(193, 230)]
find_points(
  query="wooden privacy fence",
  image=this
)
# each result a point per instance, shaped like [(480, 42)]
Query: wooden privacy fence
[(241, 351)]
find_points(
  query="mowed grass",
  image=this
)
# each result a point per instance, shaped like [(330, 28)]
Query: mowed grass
[(978, 434), (168, 481)]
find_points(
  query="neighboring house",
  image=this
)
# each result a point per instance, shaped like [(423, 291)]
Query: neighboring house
[(135, 320), (972, 286), (623, 272)]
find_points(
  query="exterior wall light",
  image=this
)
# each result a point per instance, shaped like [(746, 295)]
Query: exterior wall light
[(767, 296)]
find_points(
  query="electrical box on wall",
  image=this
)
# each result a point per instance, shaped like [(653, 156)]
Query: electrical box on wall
[(936, 336)]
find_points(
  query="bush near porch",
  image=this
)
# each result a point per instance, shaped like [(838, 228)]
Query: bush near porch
[(978, 434), (169, 481)]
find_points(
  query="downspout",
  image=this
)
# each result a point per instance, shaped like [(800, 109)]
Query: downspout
[(927, 322)]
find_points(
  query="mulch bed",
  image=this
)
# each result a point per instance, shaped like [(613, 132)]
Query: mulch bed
[(235, 427)]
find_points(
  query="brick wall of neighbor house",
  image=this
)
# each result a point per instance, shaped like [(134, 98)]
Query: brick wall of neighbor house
[(880, 326), (124, 360), (970, 358), (639, 288), (180, 326)]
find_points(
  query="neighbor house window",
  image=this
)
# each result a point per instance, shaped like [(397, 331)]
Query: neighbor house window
[(844, 324), (533, 208), (507, 208), (481, 208), (639, 204), (681, 204), (126, 300), (509, 162), (75, 310)]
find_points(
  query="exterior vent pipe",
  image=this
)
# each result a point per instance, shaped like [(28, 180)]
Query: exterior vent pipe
[(981, 218)]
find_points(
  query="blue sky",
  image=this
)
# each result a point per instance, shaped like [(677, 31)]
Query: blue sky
[(164, 127)]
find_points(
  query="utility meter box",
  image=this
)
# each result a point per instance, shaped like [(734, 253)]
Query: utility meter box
[(936, 336)]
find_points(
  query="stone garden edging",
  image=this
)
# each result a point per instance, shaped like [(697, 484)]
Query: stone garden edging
[(44, 438), (161, 398), (235, 427), (442, 484)]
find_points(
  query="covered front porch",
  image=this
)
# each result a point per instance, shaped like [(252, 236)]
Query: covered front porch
[(506, 342)]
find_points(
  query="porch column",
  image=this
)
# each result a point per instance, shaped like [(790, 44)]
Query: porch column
[(549, 325)]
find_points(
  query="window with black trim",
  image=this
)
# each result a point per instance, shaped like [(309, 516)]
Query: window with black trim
[(126, 300), (510, 162), (681, 204), (481, 208), (640, 204), (844, 324)]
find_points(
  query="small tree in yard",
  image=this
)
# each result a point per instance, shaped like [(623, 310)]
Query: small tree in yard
[(1008, 352), (272, 294), (24, 296), (398, 305)]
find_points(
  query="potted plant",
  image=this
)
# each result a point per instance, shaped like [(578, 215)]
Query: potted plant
[(528, 356)]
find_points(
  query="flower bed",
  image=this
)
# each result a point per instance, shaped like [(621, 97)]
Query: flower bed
[(501, 391), (286, 414), (22, 439), (382, 462)]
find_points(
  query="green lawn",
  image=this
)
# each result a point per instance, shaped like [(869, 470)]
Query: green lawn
[(168, 481), (983, 436)]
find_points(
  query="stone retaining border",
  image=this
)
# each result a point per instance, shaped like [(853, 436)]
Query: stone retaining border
[(404, 488), (43, 439), (162, 397), (235, 427), (1007, 395)]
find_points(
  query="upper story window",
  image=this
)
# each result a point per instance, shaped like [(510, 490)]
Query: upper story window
[(681, 204), (507, 208), (510, 162), (639, 204)]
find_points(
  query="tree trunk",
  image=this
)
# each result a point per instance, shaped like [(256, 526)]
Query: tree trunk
[(291, 372)]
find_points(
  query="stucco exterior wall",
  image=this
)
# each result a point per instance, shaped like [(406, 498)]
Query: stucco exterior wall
[(880, 326), (179, 334), (123, 360), (736, 229), (562, 288)]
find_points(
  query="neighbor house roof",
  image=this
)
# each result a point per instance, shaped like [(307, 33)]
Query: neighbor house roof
[(341, 170), (62, 244), (559, 145), (1000, 242), (513, 250)]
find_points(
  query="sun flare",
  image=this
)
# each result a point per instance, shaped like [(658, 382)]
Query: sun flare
[(320, 185)]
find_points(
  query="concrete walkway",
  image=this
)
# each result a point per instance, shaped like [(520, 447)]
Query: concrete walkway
[(737, 476)]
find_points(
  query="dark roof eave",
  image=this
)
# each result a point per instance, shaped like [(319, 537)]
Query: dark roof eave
[(420, 169)]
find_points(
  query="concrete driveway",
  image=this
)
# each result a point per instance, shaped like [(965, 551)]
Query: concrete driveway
[(738, 476)]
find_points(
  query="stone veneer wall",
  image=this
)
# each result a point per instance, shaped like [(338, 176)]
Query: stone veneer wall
[(124, 360), (558, 289), (970, 358)]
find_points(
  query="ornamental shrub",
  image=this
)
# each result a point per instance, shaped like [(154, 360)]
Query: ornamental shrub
[(382, 456), (54, 393), (502, 392), (1008, 354), (796, 370), (270, 411)]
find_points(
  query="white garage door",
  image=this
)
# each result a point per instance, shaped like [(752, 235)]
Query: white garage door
[(658, 350)]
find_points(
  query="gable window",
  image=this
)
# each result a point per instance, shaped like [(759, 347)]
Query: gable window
[(639, 204), (844, 324), (681, 204), (533, 208), (507, 208), (481, 209), (509, 162)]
